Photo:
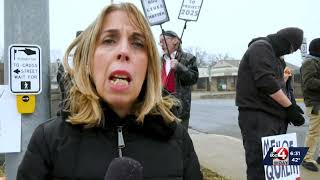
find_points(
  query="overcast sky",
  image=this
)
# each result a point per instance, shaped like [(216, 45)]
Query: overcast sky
[(224, 26)]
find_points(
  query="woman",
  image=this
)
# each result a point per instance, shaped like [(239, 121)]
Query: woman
[(114, 108)]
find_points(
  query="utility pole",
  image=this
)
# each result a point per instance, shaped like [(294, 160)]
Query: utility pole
[(27, 22), (209, 74)]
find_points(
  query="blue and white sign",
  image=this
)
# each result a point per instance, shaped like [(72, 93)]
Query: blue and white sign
[(280, 172), (155, 11), (25, 69), (190, 10)]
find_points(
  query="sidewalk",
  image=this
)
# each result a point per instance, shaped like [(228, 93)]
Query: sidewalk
[(210, 95), (225, 155)]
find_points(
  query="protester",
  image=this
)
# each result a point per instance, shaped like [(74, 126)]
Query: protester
[(114, 109), (179, 72), (264, 108), (310, 73)]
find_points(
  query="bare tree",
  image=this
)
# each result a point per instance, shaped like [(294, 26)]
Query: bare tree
[(220, 57), (212, 60), (205, 59), (200, 54)]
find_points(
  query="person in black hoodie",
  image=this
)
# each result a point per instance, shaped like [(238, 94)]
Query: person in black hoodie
[(114, 108), (264, 108)]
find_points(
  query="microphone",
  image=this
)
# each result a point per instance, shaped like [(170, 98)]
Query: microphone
[(124, 168)]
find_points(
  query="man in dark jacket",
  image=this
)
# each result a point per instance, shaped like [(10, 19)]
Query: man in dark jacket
[(310, 72), (264, 108), (179, 72)]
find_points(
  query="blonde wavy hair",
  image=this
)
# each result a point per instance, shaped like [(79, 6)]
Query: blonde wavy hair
[(83, 102)]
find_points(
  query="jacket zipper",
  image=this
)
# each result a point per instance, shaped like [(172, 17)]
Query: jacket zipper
[(120, 141)]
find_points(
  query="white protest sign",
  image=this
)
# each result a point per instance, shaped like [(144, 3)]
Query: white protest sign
[(281, 172), (190, 10), (25, 69), (155, 11), (10, 122)]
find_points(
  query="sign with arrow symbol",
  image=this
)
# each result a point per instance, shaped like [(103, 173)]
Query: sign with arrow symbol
[(17, 71), (28, 51), (25, 70)]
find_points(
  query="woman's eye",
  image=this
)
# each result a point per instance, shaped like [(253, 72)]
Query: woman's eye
[(138, 44), (108, 41)]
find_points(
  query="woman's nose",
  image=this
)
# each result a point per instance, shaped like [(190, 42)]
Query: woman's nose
[(123, 53)]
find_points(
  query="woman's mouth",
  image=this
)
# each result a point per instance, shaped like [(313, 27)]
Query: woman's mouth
[(120, 79)]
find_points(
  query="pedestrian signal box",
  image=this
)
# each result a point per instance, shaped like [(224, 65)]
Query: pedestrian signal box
[(26, 103), (25, 73)]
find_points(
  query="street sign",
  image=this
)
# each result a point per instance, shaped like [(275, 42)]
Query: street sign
[(304, 48), (155, 11), (190, 10), (25, 69)]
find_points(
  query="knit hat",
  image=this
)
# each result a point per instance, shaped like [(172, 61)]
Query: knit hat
[(171, 34), (314, 47), (293, 35)]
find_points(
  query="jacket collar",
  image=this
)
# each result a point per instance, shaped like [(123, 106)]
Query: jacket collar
[(153, 126)]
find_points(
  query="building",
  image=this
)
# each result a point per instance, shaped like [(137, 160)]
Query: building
[(220, 77), (223, 77)]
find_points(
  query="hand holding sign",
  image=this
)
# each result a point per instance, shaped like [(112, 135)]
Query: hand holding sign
[(156, 12)]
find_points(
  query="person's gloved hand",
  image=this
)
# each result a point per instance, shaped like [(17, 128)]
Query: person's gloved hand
[(294, 115)]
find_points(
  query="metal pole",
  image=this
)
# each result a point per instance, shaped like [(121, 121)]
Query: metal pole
[(184, 27), (165, 41), (22, 19)]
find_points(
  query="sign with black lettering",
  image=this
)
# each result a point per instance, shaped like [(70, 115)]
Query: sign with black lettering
[(155, 11), (190, 10), (25, 69), (281, 170)]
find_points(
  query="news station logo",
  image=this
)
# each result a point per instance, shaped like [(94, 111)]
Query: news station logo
[(285, 156), (280, 156)]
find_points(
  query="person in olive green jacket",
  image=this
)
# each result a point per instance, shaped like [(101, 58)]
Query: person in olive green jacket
[(310, 72)]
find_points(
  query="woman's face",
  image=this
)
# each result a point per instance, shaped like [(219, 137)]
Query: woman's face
[(120, 62)]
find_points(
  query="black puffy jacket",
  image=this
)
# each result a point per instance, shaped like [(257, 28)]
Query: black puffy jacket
[(59, 150)]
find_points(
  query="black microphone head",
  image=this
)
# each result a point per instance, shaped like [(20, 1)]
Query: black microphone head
[(124, 168)]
